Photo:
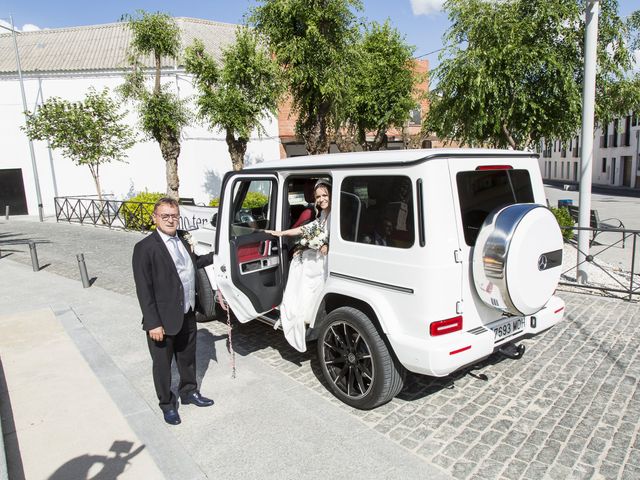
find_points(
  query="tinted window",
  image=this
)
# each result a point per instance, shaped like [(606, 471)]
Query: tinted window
[(377, 211), (481, 192)]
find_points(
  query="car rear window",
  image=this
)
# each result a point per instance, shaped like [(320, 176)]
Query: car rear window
[(481, 192)]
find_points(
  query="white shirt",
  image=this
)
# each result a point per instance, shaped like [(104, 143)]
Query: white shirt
[(184, 266)]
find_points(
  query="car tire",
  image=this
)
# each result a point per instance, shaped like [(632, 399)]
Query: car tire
[(207, 306), (355, 360)]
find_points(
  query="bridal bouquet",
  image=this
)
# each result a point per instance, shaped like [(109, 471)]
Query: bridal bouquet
[(313, 236)]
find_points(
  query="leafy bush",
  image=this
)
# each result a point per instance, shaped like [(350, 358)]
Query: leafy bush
[(564, 220), (137, 211), (252, 200)]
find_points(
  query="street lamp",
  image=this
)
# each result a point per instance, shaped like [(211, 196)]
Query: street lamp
[(24, 108), (588, 112)]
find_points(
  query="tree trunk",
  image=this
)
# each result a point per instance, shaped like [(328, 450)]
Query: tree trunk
[(345, 140), (237, 149), (314, 131), (95, 173), (156, 87), (379, 141), (510, 139), (170, 148)]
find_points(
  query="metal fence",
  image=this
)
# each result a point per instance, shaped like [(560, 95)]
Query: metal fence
[(110, 213), (612, 261)]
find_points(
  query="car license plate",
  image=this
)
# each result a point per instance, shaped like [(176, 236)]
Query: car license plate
[(507, 327)]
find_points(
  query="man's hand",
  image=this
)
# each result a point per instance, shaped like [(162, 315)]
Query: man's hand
[(157, 334)]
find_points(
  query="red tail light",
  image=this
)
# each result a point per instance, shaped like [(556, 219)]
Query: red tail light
[(442, 327), (559, 310), (494, 167)]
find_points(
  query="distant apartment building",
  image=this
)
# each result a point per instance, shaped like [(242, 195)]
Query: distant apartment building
[(616, 155)]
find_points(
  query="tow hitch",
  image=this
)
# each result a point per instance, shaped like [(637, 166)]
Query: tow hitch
[(515, 352)]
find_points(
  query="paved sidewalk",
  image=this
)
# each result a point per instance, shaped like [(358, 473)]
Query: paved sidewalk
[(568, 409), (51, 393)]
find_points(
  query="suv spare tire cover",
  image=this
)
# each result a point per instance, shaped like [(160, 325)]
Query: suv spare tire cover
[(517, 258)]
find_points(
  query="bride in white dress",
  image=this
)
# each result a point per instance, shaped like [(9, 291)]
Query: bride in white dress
[(308, 269)]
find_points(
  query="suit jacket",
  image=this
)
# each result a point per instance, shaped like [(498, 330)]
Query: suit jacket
[(158, 286)]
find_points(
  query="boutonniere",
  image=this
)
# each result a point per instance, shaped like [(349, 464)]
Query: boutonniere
[(189, 239)]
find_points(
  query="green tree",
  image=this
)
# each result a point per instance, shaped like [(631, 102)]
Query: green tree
[(512, 71), (380, 87), (162, 114), (311, 41), (88, 132), (240, 93)]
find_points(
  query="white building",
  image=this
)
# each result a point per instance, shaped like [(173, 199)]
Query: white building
[(616, 156), (66, 63)]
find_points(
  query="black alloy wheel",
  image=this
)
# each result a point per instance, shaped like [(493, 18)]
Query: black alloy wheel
[(347, 358), (355, 360)]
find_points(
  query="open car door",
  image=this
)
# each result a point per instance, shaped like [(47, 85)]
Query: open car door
[(248, 263)]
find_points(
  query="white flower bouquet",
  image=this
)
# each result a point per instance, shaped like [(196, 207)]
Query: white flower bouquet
[(313, 236)]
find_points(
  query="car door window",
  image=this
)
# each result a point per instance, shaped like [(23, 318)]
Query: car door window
[(252, 206)]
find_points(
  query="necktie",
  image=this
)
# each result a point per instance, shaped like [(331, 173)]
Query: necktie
[(180, 260)]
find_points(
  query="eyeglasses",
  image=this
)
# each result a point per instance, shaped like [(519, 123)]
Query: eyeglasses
[(166, 217)]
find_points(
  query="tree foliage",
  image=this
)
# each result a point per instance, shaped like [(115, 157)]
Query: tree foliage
[(512, 71), (380, 85), (88, 132), (237, 95), (310, 40), (162, 114)]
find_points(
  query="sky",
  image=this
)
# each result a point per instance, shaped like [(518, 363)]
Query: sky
[(422, 22)]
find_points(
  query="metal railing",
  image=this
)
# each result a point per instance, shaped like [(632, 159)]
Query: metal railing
[(621, 279), (111, 213)]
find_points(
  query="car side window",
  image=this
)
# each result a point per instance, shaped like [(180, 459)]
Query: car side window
[(252, 206), (377, 210)]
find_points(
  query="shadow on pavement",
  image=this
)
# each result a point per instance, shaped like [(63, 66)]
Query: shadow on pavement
[(99, 466)]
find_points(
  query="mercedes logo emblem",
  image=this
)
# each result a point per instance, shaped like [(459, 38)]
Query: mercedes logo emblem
[(542, 262)]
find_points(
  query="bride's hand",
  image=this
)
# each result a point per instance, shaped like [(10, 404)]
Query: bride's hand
[(275, 233)]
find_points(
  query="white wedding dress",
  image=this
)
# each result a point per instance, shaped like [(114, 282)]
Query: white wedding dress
[(307, 275)]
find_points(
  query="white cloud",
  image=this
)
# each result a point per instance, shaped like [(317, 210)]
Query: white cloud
[(426, 7), (27, 27), (30, 27)]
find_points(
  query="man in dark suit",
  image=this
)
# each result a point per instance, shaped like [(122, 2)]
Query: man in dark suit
[(164, 270)]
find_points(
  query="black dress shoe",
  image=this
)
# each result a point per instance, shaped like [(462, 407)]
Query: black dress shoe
[(196, 399), (172, 417)]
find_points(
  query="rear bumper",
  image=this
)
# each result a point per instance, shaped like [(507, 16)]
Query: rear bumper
[(440, 356)]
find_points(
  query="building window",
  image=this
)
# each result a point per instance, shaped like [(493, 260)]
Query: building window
[(604, 165), (415, 116)]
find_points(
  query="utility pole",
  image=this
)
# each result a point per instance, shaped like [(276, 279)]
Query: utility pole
[(24, 109), (588, 113)]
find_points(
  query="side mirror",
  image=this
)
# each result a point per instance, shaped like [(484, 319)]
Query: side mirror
[(214, 220)]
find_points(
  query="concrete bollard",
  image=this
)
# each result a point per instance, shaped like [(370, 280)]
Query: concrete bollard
[(83, 271), (34, 256), (6, 214)]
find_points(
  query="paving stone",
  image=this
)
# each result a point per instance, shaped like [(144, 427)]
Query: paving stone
[(609, 470), (515, 470), (462, 469)]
